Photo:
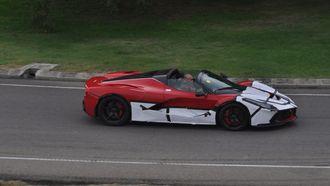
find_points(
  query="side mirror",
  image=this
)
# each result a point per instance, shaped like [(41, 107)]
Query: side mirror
[(200, 93)]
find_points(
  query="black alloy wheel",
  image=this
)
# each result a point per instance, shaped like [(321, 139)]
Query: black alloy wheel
[(233, 116), (114, 110)]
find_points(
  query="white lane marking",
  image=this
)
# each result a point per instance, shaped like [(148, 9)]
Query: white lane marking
[(167, 163), (82, 88), (41, 86)]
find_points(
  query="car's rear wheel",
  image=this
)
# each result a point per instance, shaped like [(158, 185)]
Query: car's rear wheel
[(114, 110), (233, 116)]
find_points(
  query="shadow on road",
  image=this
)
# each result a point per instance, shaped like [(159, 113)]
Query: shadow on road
[(196, 127)]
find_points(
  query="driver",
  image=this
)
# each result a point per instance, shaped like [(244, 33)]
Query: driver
[(187, 83), (188, 77)]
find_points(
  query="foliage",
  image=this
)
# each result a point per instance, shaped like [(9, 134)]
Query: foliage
[(41, 18), (262, 38), (45, 11)]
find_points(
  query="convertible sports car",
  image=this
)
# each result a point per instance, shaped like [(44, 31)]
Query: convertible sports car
[(170, 96)]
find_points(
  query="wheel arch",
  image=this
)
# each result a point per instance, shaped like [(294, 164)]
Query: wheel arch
[(219, 107), (106, 96)]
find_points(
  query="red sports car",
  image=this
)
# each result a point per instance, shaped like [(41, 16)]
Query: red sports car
[(170, 96)]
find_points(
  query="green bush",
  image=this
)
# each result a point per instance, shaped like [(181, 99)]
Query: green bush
[(41, 18)]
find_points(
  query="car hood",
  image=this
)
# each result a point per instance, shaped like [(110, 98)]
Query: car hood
[(266, 94)]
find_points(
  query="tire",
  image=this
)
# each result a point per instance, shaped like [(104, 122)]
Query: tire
[(114, 111), (233, 116)]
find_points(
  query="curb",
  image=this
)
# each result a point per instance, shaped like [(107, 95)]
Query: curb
[(290, 82), (42, 71), (64, 76)]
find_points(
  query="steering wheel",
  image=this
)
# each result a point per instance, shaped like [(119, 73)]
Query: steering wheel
[(174, 74)]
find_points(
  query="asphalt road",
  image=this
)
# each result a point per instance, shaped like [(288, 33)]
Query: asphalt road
[(45, 135)]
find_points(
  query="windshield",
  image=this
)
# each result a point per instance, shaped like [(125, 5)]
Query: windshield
[(215, 83)]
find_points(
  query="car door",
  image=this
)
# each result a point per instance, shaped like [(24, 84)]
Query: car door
[(185, 106)]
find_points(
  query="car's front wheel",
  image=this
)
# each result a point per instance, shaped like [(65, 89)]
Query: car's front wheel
[(114, 110), (233, 116)]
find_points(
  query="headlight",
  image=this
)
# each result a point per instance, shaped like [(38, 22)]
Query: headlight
[(261, 104)]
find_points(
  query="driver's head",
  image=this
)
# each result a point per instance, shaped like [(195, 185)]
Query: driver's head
[(188, 77)]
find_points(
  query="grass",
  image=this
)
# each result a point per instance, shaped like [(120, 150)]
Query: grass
[(254, 39)]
